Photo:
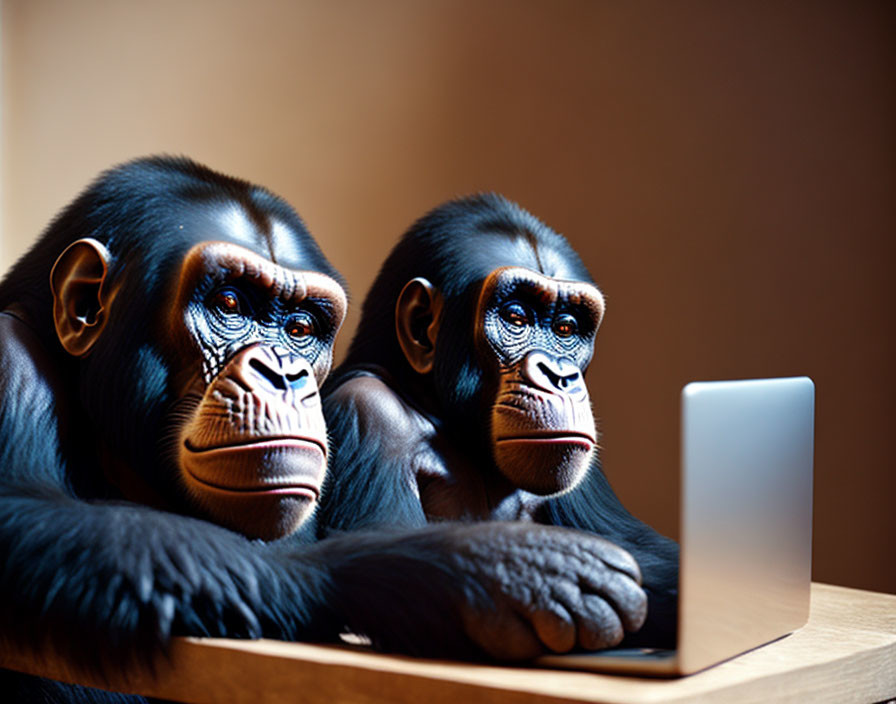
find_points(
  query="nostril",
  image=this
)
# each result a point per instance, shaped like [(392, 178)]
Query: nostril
[(297, 380), (557, 380), (552, 376), (571, 378), (273, 377)]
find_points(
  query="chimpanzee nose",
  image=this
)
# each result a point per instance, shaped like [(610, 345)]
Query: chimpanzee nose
[(552, 374), (275, 371)]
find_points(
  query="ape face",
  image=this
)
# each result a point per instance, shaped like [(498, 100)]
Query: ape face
[(253, 450), (535, 337), (229, 346)]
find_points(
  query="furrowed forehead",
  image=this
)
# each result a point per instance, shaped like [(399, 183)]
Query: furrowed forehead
[(215, 263), (506, 282)]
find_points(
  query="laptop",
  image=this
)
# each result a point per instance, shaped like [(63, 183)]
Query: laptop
[(746, 526)]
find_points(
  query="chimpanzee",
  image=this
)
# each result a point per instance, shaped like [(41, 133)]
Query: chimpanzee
[(163, 451), (464, 383)]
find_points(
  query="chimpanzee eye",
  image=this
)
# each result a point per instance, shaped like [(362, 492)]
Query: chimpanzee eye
[(515, 314), (565, 325), (300, 325), (227, 301)]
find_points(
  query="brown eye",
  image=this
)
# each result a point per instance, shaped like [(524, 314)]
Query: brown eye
[(515, 314), (227, 301), (300, 325), (565, 325)]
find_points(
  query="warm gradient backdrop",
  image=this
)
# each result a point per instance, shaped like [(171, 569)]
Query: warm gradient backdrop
[(727, 170)]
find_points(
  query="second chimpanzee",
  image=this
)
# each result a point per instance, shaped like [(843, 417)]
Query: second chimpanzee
[(464, 384)]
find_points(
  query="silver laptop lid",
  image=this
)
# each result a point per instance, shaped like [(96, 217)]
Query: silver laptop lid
[(746, 515)]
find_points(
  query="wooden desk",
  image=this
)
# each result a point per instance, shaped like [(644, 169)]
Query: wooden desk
[(846, 653)]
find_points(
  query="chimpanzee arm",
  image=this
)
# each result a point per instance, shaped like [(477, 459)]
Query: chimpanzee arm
[(125, 578)]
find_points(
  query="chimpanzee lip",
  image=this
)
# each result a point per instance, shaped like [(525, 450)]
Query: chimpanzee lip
[(550, 436), (289, 484), (312, 492), (285, 441)]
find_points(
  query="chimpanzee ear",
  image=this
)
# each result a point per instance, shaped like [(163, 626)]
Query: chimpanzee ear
[(79, 300), (417, 316)]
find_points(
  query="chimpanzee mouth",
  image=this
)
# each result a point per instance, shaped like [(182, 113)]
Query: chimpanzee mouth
[(566, 437), (285, 442), (273, 466), (305, 491)]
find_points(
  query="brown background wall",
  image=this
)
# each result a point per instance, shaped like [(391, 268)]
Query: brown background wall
[(727, 170)]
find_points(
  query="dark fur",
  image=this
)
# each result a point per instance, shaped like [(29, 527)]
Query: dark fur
[(106, 582), (438, 247)]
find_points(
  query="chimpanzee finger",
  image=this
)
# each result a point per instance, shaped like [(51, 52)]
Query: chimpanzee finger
[(554, 626), (597, 625), (622, 593), (502, 634), (602, 628)]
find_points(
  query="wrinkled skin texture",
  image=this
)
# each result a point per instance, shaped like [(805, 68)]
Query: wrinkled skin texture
[(536, 337), (252, 454), (466, 378), (163, 454)]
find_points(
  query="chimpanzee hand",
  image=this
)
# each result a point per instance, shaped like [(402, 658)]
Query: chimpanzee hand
[(510, 590), (550, 587)]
